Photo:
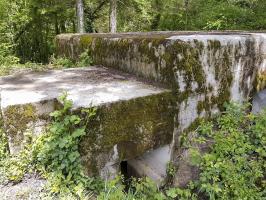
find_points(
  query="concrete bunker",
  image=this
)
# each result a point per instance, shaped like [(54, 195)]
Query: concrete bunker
[(173, 79)]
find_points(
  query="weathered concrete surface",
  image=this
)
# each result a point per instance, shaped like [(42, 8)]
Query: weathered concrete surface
[(91, 86), (259, 102), (152, 164), (133, 116), (203, 69), (155, 55)]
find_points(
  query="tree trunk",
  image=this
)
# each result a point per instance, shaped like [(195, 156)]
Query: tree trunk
[(56, 26), (80, 16), (113, 9), (157, 7), (186, 2)]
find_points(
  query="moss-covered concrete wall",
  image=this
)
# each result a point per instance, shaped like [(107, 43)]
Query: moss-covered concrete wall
[(204, 70), (125, 130), (22, 122)]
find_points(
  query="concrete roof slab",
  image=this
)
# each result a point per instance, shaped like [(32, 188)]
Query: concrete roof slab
[(91, 86)]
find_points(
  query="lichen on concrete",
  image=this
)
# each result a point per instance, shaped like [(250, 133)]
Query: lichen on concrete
[(134, 126), (203, 70), (261, 81), (17, 119)]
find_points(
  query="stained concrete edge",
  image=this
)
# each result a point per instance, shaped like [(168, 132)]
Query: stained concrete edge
[(86, 87)]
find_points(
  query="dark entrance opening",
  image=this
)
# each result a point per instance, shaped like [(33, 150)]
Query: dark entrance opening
[(125, 173), (124, 169)]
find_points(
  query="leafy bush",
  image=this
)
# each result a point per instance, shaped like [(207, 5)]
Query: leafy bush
[(57, 151), (6, 57), (62, 62), (182, 194), (13, 168), (16, 166), (3, 140), (236, 165), (84, 59), (142, 189)]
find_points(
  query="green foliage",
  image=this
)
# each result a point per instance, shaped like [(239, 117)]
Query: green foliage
[(3, 150), (15, 68), (15, 167), (171, 169), (28, 27), (62, 62), (236, 165), (84, 59), (234, 168), (212, 15), (182, 194), (3, 141), (142, 189), (6, 57), (57, 151)]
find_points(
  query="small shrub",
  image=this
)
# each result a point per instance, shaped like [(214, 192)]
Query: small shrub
[(6, 56), (235, 167), (62, 62), (3, 140), (16, 166), (143, 189), (171, 169), (182, 194), (84, 59), (57, 151)]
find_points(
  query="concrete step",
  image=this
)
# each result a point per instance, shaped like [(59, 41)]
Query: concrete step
[(133, 116)]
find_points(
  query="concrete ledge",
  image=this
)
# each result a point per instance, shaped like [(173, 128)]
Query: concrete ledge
[(153, 55)]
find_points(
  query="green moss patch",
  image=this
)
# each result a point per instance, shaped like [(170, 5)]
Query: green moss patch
[(133, 126)]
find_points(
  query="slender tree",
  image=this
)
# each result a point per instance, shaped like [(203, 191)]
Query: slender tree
[(80, 16), (186, 2), (113, 16)]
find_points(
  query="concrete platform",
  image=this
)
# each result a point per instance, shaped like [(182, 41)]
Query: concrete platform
[(133, 116), (91, 86)]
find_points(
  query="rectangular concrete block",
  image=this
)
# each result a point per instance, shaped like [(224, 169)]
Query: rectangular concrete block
[(133, 115)]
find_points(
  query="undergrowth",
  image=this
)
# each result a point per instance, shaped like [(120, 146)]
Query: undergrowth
[(234, 168), (57, 155), (12, 65)]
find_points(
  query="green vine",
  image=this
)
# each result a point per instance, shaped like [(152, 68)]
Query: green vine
[(57, 151)]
